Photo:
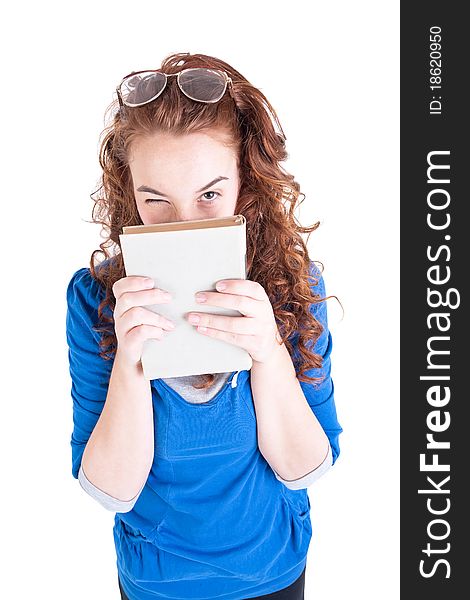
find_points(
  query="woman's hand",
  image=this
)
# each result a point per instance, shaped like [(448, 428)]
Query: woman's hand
[(256, 331), (132, 322)]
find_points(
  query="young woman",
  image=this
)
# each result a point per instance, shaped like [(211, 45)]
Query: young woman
[(207, 474)]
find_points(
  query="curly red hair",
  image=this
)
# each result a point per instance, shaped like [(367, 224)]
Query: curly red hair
[(277, 256)]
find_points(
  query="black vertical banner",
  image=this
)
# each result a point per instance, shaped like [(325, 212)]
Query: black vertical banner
[(434, 310)]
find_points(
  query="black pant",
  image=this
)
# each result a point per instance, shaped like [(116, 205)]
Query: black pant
[(295, 591)]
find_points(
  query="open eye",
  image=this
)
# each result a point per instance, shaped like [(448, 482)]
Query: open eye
[(210, 200)]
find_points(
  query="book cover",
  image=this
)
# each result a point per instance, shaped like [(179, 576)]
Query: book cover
[(185, 257)]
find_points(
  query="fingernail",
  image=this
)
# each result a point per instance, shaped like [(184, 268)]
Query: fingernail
[(200, 297)]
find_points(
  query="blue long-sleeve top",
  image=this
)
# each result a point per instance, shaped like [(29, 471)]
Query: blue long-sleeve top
[(213, 520)]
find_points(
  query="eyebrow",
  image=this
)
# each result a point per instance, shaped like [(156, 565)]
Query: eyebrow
[(149, 190)]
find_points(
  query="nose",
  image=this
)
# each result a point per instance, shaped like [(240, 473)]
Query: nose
[(185, 215)]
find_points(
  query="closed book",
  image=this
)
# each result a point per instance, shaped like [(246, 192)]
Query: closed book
[(185, 257)]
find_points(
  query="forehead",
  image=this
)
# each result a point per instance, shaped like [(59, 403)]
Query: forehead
[(183, 164), (186, 150)]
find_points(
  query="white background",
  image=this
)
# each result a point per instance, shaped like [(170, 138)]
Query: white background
[(331, 72)]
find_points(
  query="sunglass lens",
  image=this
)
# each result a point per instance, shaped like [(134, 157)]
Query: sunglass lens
[(140, 88), (204, 85)]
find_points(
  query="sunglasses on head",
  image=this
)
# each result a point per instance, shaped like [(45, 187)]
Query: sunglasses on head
[(199, 84)]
